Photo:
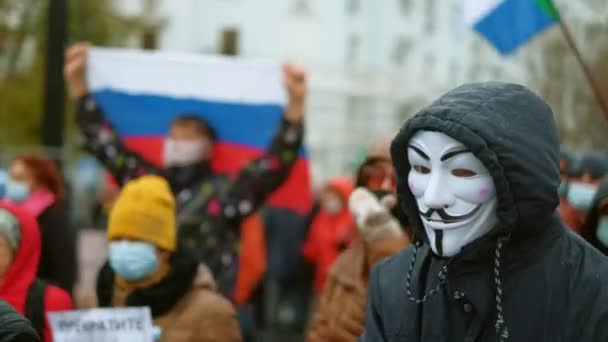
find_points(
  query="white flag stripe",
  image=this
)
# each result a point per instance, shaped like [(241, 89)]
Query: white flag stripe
[(474, 10), (186, 76)]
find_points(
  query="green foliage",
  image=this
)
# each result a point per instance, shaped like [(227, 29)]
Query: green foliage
[(23, 24), (20, 107), (99, 23)]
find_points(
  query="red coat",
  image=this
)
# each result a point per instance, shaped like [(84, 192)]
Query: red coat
[(22, 272), (329, 235)]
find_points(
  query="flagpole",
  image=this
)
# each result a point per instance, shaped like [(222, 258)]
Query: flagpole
[(593, 82)]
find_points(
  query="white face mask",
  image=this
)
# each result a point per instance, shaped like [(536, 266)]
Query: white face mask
[(183, 152), (333, 206), (455, 192)]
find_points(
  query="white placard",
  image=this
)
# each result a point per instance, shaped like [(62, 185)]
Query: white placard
[(102, 325)]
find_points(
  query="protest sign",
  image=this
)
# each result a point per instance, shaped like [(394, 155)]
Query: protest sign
[(103, 325)]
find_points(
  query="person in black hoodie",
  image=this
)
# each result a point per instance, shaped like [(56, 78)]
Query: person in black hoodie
[(14, 327), (595, 228), (478, 176)]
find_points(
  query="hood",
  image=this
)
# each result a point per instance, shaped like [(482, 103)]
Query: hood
[(512, 131), (22, 272), (590, 225), (13, 327), (343, 185)]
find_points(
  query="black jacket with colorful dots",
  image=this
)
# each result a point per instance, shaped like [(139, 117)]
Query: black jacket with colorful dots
[(210, 206)]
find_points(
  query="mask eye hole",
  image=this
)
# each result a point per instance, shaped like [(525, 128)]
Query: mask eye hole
[(464, 173), (422, 169)]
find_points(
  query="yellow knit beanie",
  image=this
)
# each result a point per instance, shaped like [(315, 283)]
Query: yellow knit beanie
[(145, 210)]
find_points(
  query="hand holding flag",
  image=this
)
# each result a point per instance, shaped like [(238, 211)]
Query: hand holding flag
[(295, 81), (75, 68)]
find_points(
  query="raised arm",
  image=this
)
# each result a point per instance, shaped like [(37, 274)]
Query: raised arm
[(101, 139), (264, 175)]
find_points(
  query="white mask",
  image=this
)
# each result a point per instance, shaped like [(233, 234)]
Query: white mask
[(455, 192), (333, 206), (183, 152)]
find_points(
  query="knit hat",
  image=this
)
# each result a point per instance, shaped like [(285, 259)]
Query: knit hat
[(9, 227), (596, 163), (145, 210), (373, 216)]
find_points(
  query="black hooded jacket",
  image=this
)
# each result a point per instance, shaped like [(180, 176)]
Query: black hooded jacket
[(589, 229), (529, 279), (13, 327), (211, 207)]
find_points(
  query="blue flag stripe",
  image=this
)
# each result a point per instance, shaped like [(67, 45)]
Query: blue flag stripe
[(151, 115), (512, 24)]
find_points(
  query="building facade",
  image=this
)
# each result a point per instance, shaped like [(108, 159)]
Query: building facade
[(372, 64)]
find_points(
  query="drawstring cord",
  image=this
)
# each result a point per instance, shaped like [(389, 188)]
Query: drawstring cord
[(501, 327), (502, 330), (442, 278)]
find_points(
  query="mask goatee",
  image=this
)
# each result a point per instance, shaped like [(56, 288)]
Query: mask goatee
[(439, 241)]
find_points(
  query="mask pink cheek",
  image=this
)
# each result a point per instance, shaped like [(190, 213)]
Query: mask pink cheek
[(483, 194), (412, 189)]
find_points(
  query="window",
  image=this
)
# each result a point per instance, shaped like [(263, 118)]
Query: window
[(149, 39), (454, 71), (405, 6), (353, 44), (229, 42), (301, 8), (353, 6), (401, 49), (430, 61), (430, 7), (497, 73)]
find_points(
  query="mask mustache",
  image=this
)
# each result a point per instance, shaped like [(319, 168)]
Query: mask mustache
[(447, 218)]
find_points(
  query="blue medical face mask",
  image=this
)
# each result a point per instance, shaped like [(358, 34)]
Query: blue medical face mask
[(580, 196), (3, 181), (17, 191), (133, 260), (602, 231)]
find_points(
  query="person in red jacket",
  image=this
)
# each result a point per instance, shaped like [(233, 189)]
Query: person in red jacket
[(19, 257), (36, 184), (331, 230)]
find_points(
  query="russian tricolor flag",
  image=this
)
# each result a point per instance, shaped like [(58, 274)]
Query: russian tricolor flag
[(508, 24), (142, 92)]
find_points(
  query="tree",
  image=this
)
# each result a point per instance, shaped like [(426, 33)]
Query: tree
[(561, 81), (22, 47)]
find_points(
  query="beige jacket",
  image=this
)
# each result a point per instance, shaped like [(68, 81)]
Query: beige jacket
[(202, 315), (340, 314)]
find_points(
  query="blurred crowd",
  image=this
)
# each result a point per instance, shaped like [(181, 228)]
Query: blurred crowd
[(584, 196), (201, 249)]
